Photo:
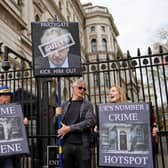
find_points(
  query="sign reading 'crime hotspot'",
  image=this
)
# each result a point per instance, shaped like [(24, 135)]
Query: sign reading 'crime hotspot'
[(125, 135)]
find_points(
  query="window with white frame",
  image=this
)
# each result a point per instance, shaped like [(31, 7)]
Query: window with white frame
[(140, 135), (94, 45), (60, 5), (103, 28), (37, 18), (107, 79), (96, 79), (104, 45), (92, 29)]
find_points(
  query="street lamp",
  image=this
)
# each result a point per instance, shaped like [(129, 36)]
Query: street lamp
[(5, 63)]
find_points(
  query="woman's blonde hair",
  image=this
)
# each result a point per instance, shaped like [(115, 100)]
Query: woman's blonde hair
[(122, 93)]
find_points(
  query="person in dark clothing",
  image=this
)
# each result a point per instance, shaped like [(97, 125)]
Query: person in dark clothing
[(5, 98), (77, 120)]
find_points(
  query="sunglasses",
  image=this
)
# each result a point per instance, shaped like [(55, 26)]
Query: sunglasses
[(80, 88)]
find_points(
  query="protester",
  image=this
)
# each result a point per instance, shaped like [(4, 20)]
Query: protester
[(117, 95), (155, 136), (55, 46), (5, 98), (77, 120)]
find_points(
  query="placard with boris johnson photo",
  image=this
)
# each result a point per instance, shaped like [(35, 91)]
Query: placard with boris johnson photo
[(56, 49)]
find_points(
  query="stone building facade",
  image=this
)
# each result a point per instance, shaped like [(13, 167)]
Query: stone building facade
[(97, 29)]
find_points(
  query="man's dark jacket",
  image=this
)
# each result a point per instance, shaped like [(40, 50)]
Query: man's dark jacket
[(87, 120)]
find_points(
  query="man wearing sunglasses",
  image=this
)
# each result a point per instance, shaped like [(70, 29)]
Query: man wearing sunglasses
[(77, 120)]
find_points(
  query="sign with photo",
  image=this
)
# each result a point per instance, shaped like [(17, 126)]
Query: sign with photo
[(125, 135), (13, 140), (52, 157), (56, 49)]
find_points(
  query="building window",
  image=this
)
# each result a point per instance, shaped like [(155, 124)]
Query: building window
[(107, 79), (68, 18), (55, 18), (37, 18), (139, 135), (94, 45), (60, 6), (105, 136), (103, 28), (18, 2), (96, 79), (74, 17), (92, 29), (50, 19), (67, 4), (104, 45), (2, 135)]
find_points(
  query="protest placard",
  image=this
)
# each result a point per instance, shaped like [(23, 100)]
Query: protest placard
[(56, 49), (13, 140), (52, 157), (125, 135)]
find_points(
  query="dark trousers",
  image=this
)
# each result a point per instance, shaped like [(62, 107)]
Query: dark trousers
[(6, 163), (76, 156)]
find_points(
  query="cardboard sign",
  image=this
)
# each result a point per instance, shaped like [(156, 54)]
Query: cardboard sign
[(52, 157), (56, 49), (13, 140), (125, 135)]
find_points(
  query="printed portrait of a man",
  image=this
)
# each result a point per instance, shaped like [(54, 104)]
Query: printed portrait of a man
[(55, 44), (55, 47)]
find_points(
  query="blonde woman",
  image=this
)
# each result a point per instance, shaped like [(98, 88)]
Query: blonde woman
[(117, 95)]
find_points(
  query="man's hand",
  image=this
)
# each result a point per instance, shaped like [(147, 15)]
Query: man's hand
[(63, 130), (58, 111)]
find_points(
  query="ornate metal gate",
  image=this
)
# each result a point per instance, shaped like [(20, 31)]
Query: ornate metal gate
[(145, 78)]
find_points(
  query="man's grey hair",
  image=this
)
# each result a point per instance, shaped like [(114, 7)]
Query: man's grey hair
[(53, 32), (78, 81)]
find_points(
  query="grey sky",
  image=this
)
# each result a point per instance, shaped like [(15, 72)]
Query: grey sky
[(138, 21)]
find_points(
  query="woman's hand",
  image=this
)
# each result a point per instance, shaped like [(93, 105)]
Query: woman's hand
[(25, 121)]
